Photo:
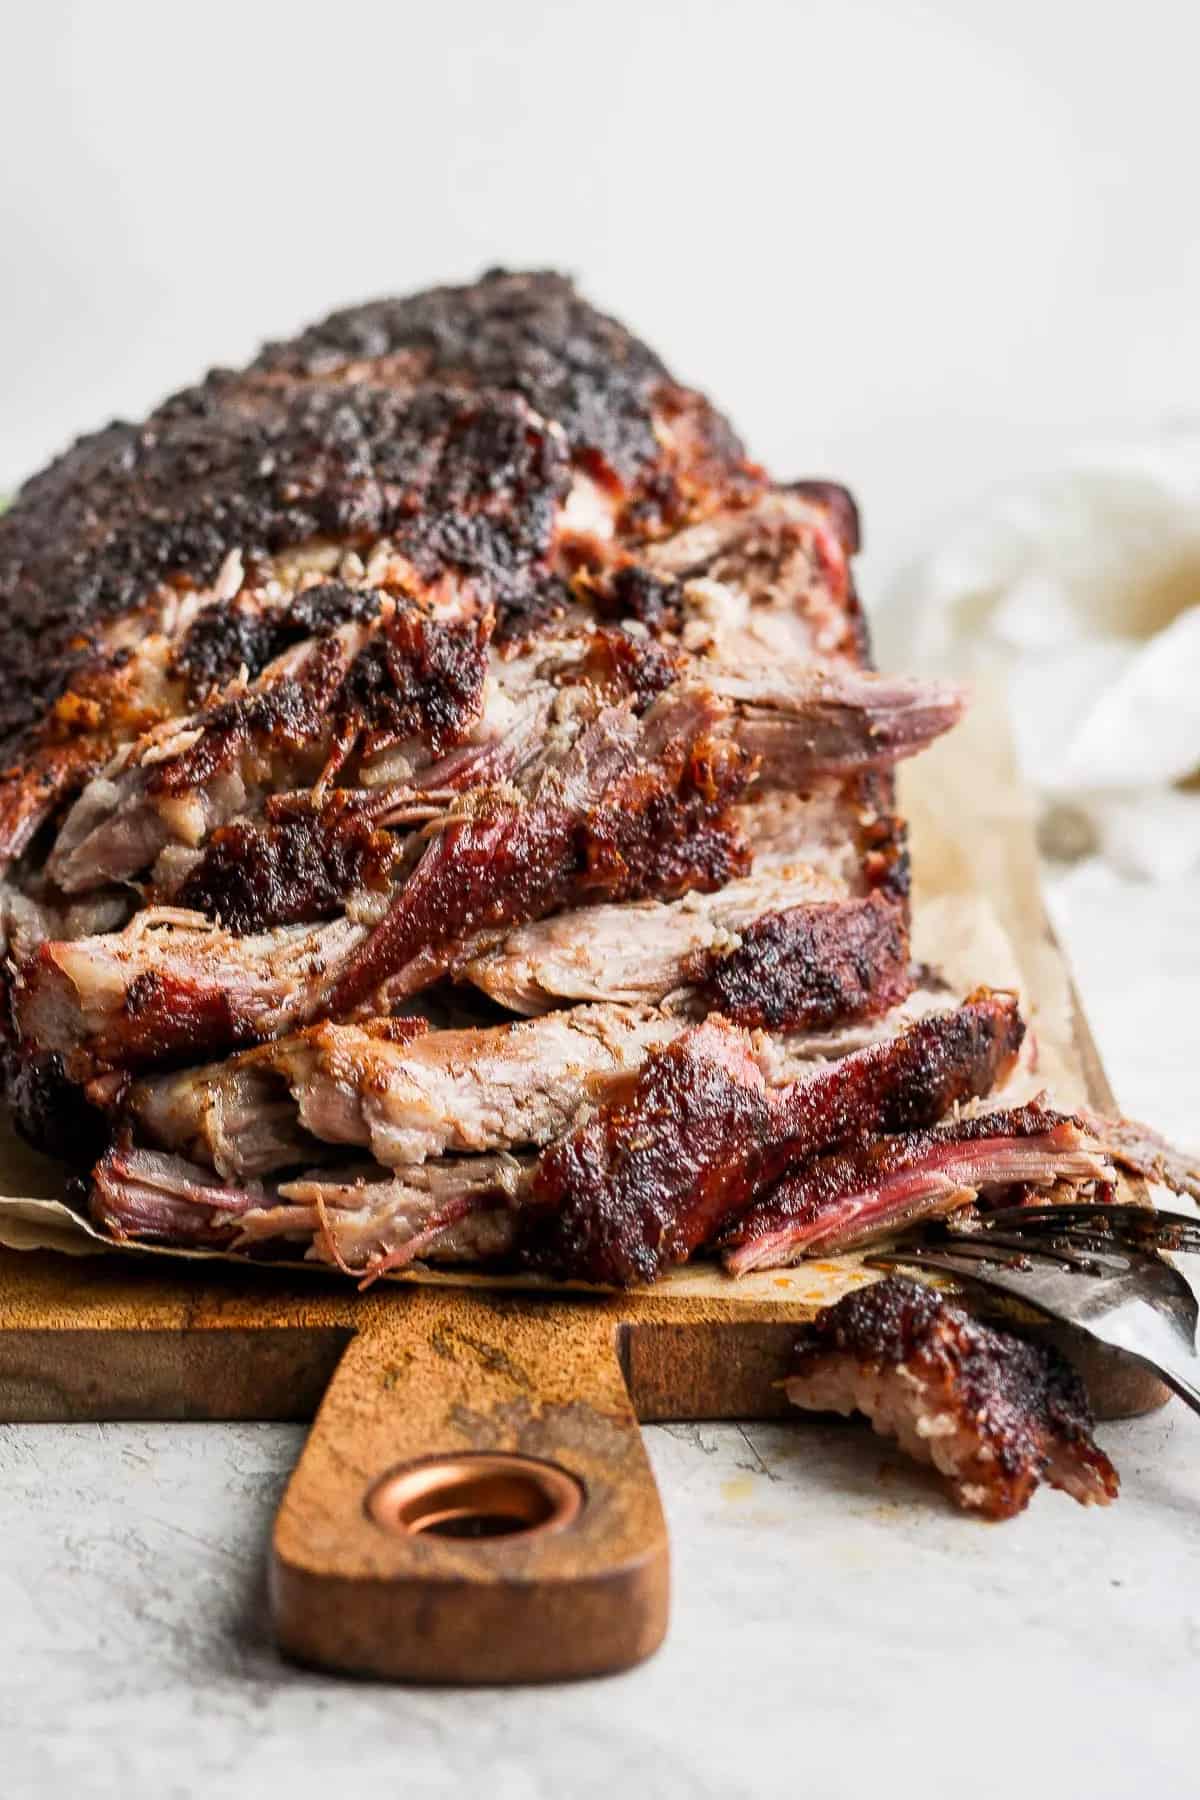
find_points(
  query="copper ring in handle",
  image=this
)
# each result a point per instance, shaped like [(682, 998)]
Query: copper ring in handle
[(476, 1494)]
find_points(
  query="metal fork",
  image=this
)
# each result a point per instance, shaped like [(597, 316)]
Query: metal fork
[(1094, 1267)]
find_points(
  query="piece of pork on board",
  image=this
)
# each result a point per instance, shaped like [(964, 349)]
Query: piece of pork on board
[(994, 1414), (452, 661)]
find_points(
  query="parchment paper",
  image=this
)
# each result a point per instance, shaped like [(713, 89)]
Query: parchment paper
[(978, 918)]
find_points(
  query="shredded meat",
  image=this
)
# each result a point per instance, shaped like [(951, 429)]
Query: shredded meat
[(1142, 1151), (362, 1220), (453, 658)]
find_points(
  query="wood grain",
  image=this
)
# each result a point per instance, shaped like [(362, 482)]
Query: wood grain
[(462, 1374)]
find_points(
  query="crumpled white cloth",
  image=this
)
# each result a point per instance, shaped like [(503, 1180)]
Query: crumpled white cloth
[(1083, 587)]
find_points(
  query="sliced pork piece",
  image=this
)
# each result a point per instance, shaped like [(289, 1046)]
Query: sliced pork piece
[(806, 725), (407, 1093), (995, 1415), (809, 967), (783, 1054), (816, 965), (310, 854), (492, 1088), (636, 952), (686, 1145), (129, 998), (840, 1202), (170, 984)]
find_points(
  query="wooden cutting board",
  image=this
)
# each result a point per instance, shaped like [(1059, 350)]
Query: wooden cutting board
[(474, 1502)]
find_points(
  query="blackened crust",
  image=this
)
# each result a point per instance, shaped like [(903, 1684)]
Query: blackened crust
[(463, 482), (527, 334), (420, 678), (644, 1179), (224, 640), (49, 1110), (255, 875), (951, 1058), (448, 421), (811, 967), (416, 677)]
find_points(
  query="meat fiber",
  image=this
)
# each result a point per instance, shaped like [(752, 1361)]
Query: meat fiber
[(840, 1202), (994, 1415), (144, 1195), (1143, 1152), (402, 1093), (363, 1221)]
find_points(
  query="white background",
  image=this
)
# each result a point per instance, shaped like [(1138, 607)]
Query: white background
[(920, 247)]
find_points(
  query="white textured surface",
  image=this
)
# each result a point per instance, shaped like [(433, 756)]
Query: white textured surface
[(1135, 949), (837, 1628)]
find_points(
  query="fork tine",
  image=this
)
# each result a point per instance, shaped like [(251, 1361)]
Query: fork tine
[(1173, 1231), (1110, 1212), (1148, 1310), (1115, 1213), (1037, 1248)]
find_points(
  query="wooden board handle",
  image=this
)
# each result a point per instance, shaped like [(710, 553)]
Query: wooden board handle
[(452, 1414)]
